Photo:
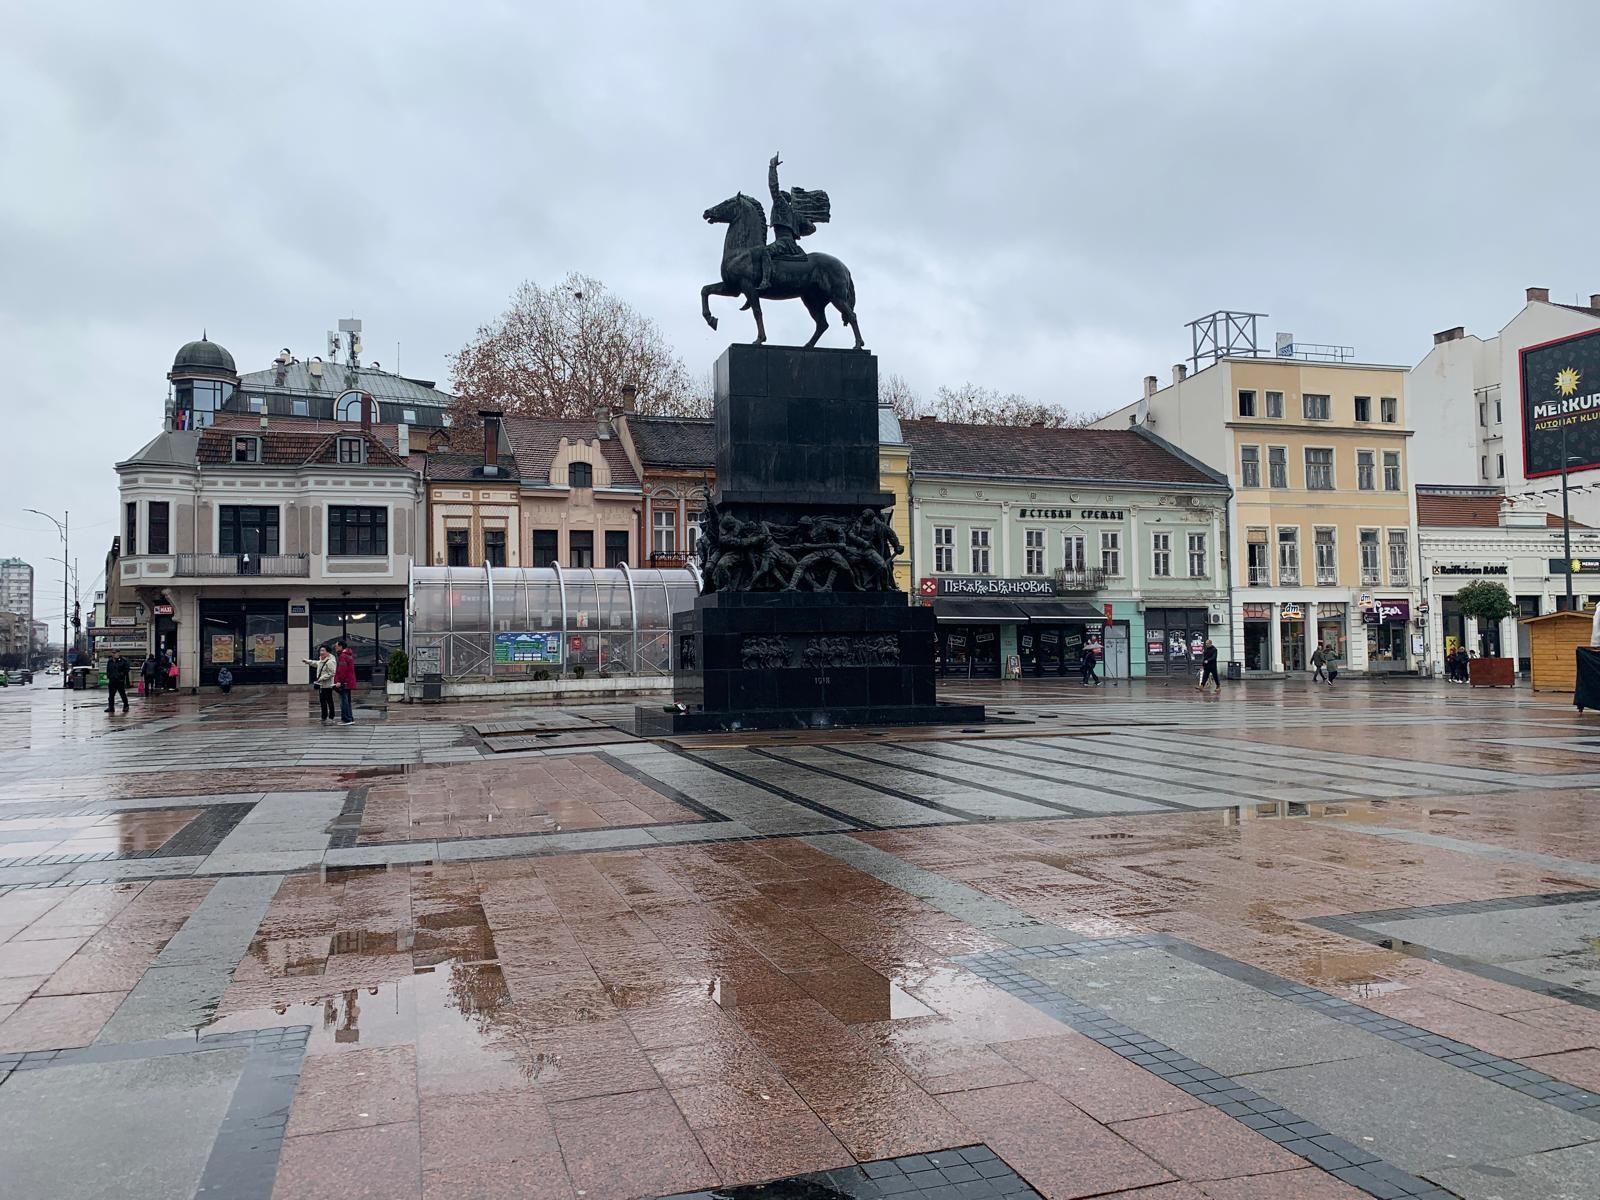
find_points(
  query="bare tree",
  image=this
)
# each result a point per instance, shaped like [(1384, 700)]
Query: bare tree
[(971, 404), (894, 391), (566, 350)]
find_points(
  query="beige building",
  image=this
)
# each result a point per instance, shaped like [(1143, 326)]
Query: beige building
[(1322, 524)]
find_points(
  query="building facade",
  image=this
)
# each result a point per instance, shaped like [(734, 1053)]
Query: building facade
[(894, 476), (16, 589), (1322, 524), (1466, 399), (675, 459), (1468, 533), (246, 543), (1031, 544)]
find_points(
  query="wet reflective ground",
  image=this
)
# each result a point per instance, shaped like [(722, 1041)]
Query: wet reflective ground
[(1131, 942)]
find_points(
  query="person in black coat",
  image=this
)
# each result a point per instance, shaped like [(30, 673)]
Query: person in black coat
[(116, 681)]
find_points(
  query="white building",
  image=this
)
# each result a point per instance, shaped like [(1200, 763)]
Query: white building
[(16, 589), (1465, 401), (1472, 532)]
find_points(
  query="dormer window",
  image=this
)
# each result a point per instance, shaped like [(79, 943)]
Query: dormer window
[(300, 406), (410, 416), (580, 475), (351, 450), (258, 404), (246, 450)]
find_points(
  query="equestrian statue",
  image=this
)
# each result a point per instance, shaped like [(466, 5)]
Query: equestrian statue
[(780, 270)]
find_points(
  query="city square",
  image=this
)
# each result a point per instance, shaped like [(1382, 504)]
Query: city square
[(1128, 941)]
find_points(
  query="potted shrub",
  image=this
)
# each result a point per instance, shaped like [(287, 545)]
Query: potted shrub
[(1488, 603), (399, 668)]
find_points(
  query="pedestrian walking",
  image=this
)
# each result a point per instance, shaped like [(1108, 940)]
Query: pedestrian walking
[(116, 681), (1320, 666), (148, 671), (225, 680), (323, 680), (344, 678), (1208, 666), (1086, 664), (169, 672)]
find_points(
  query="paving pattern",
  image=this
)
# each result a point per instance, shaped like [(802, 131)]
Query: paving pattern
[(1125, 942)]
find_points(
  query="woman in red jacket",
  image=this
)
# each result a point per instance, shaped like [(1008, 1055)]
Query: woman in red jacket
[(344, 680)]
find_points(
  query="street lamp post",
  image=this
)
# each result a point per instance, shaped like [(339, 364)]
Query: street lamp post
[(63, 527), (1566, 516)]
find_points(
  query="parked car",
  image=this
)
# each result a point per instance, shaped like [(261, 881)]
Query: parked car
[(22, 675)]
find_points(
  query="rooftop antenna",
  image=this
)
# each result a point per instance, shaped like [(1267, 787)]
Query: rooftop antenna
[(351, 328), (1223, 334)]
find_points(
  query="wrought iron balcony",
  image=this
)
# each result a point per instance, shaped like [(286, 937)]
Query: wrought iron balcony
[(1260, 577), (1080, 579), (215, 566), (662, 559)]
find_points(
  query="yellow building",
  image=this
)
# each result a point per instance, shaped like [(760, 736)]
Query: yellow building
[(1322, 525), (894, 477)]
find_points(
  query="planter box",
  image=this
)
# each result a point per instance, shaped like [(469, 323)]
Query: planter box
[(590, 687), (397, 691), (1492, 672)]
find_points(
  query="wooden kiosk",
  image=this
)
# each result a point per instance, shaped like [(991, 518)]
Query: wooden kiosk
[(1553, 641)]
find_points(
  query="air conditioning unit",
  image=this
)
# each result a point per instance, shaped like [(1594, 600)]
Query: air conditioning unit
[(1214, 619)]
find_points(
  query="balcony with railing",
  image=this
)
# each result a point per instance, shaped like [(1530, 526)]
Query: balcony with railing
[(222, 566), (1260, 577), (1080, 579), (666, 559)]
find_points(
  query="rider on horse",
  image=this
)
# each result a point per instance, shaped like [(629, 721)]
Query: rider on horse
[(794, 215)]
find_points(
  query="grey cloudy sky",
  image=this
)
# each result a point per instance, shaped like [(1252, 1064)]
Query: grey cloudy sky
[(1031, 196)]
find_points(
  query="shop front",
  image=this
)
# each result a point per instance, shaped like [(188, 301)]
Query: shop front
[(983, 622), (1258, 637), (371, 628), (1174, 640), (1331, 631), (249, 637), (1292, 636), (1388, 630)]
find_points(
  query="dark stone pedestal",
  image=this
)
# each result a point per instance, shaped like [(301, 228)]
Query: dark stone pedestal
[(797, 436)]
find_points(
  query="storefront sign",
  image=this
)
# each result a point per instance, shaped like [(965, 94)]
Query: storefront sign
[(1471, 569), (1155, 647), (985, 585), (1388, 612), (1561, 405), (1258, 612), (264, 648), (161, 610), (1069, 514), (297, 610), (1575, 566), (221, 648), (122, 620), (528, 647), (1292, 612)]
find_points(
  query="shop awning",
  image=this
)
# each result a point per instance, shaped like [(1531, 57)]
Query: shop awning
[(978, 612), (1062, 610)]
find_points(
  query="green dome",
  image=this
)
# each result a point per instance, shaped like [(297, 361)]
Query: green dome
[(204, 355)]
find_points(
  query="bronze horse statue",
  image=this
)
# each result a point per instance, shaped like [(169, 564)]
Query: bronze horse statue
[(817, 280)]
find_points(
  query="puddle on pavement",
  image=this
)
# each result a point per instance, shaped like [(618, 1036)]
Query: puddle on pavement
[(1356, 974), (1279, 810)]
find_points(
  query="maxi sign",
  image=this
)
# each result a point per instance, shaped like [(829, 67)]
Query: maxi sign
[(1561, 404)]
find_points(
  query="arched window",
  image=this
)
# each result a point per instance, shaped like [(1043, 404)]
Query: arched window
[(580, 474)]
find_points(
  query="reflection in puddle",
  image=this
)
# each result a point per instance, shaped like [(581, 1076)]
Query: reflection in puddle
[(1277, 810)]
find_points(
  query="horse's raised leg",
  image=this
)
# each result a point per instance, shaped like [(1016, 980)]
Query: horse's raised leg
[(818, 308), (754, 305), (713, 289)]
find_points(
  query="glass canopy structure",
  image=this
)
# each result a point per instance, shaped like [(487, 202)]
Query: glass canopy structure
[(494, 623)]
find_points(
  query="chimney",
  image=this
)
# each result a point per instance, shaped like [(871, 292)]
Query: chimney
[(367, 405), (630, 398), (1449, 335), (927, 417), (1594, 299), (402, 440), (1538, 294), (602, 422), (491, 440), (1150, 385), (1179, 372)]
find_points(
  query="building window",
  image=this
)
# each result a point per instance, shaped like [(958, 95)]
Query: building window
[(1500, 466), (456, 551), (664, 531), (158, 528), (1391, 470), (350, 407), (545, 548), (580, 544), (1371, 565), (1366, 471), (1249, 466), (1111, 551), (246, 449), (130, 528), (1327, 553), (350, 450), (494, 547), (617, 548), (1074, 552), (1363, 408), (1319, 469), (1033, 551), (1277, 467), (1483, 466), (1247, 404), (1197, 556), (580, 474), (1258, 566), (1274, 404), (980, 551), (1314, 406), (1288, 557), (258, 404), (299, 406), (247, 529), (1389, 410), (408, 416), (1483, 412), (357, 529), (1161, 554), (1399, 557), (944, 549)]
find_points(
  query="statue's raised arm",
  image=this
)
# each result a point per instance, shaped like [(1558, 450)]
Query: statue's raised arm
[(772, 178)]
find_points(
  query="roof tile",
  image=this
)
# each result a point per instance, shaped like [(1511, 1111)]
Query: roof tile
[(998, 451)]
